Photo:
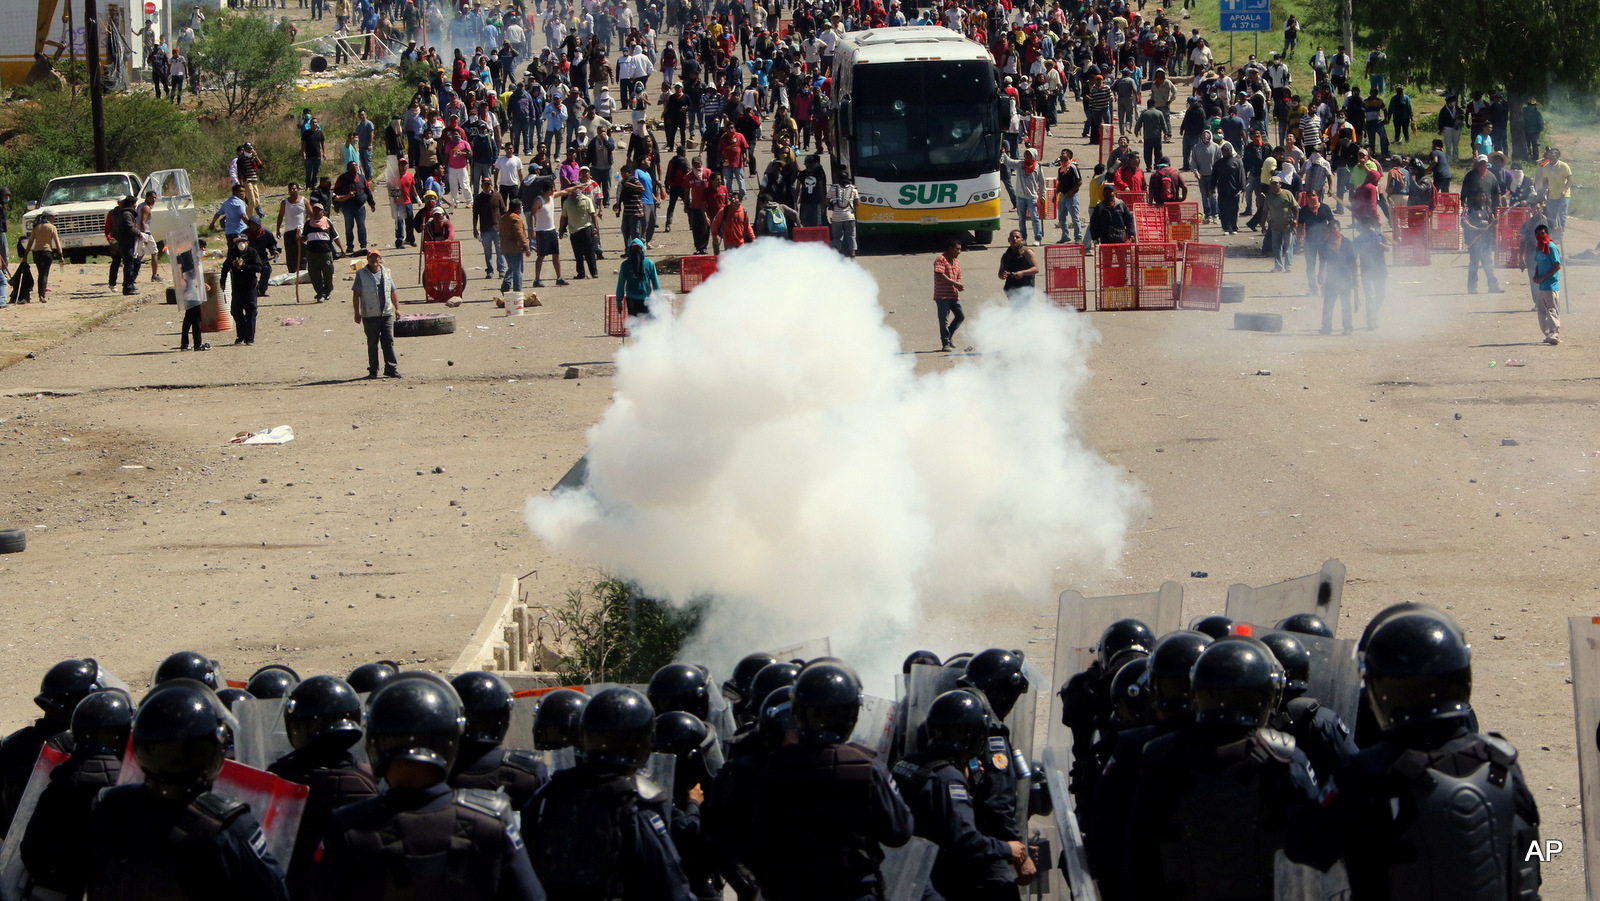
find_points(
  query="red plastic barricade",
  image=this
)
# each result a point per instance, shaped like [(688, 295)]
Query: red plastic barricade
[(694, 270), (1446, 222), (1036, 129), (1182, 211), (1149, 224), (1116, 287), (1107, 131), (1134, 198), (1508, 237), (1158, 276), (1066, 274), (442, 275), (813, 234), (1202, 277), (1411, 235), (616, 318)]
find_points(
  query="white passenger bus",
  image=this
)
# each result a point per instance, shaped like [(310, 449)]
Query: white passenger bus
[(917, 122)]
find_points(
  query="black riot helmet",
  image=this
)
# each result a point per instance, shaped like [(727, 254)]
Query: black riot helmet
[(486, 702), (775, 721), (415, 719), (180, 738), (827, 701), (679, 686), (745, 671), (323, 710), (1305, 624), (1130, 694), (272, 681), (1124, 635), (770, 679), (1295, 660), (102, 722), (557, 720), (369, 677), (189, 665), (1216, 625), (998, 674), (958, 662), (957, 726), (231, 696), (1417, 668), (680, 733), (1171, 692), (65, 685), (1401, 609), (618, 729), (919, 658), (1237, 682)]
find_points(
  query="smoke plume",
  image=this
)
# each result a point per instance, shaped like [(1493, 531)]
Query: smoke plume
[(773, 448)]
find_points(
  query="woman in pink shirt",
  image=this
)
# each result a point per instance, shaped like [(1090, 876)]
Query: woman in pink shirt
[(460, 163)]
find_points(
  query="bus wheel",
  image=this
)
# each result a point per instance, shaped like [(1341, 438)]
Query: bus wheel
[(983, 236)]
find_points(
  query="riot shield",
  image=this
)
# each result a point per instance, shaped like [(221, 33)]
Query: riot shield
[(721, 719), (875, 725), (561, 759), (662, 769), (1020, 721), (525, 709), (923, 685), (1297, 882), (13, 875), (1079, 883), (261, 738), (1319, 593), (906, 869), (277, 804), (1584, 634), (1335, 675), (805, 650)]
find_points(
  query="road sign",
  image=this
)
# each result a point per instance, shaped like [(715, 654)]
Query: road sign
[(150, 7), (1246, 15)]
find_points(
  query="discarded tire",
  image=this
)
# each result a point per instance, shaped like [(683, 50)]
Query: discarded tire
[(172, 295), (1232, 292), (13, 541), (423, 324), (1258, 322)]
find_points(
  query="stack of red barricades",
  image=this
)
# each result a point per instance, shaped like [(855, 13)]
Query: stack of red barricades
[(1183, 221), (813, 234), (694, 270), (1411, 235), (442, 275), (1149, 224), (1202, 276), (1158, 276), (1446, 224), (1066, 276), (1116, 285), (616, 318), (1508, 237)]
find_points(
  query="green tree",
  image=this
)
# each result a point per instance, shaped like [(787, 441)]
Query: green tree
[(250, 61), (618, 635)]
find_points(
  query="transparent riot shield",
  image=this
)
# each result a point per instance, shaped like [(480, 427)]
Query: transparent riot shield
[(13, 875), (561, 759), (261, 738), (805, 650), (1584, 632), (1020, 722), (524, 710), (1297, 882), (906, 869), (188, 277), (923, 684), (1319, 593), (721, 718), (1073, 852), (662, 769), (875, 725), (277, 804), (1335, 675)]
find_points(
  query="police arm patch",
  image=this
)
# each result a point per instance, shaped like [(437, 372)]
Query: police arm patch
[(258, 843), (959, 793), (656, 823), (515, 836)]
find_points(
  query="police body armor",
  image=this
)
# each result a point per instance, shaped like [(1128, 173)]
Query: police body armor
[(52, 849), (1318, 732), (1084, 710), (582, 849), (456, 851), (155, 851), (332, 787), (823, 793), (1221, 840), (515, 772), (1455, 826)]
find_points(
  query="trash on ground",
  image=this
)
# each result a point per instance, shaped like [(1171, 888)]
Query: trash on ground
[(277, 435), (287, 278), (295, 320), (1515, 363)]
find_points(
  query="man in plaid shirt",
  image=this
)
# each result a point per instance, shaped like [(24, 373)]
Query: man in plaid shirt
[(947, 290)]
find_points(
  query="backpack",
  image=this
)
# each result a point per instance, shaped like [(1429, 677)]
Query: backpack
[(777, 222), (1161, 190), (1116, 230)]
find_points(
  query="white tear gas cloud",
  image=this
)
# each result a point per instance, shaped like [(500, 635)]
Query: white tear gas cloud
[(773, 447)]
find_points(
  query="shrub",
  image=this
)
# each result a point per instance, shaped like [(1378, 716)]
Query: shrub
[(250, 61), (618, 635)]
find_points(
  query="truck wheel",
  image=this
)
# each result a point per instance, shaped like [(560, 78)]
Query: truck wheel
[(423, 324), (77, 257), (983, 236)]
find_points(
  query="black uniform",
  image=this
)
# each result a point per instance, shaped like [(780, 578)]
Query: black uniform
[(519, 773), (596, 833), (146, 848), (1445, 815), (51, 848), (18, 753), (995, 802), (334, 783), (821, 813), (431, 842), (729, 812), (1317, 731), (1085, 710), (941, 803), (1209, 811), (1113, 796)]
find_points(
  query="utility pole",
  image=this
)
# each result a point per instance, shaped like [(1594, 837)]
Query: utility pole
[(91, 15), (1349, 34)]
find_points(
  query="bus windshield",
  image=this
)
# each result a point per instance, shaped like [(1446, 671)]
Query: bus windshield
[(920, 120)]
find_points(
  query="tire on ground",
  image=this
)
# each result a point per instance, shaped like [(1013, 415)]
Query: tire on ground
[(13, 541), (1232, 292), (1258, 322), (423, 324)]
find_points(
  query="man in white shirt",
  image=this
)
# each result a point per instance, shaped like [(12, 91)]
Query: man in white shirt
[(508, 172)]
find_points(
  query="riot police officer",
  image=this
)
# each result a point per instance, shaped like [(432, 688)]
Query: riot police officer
[(1317, 730), (934, 783), (51, 848), (369, 677), (322, 716), (557, 724), (1085, 707), (824, 806), (688, 741), (679, 686), (172, 837), (1305, 624), (737, 688), (1209, 812), (1436, 810), (729, 809), (486, 702), (420, 838), (600, 830), (1215, 625), (272, 681), (190, 665), (1368, 732), (996, 677), (62, 687)]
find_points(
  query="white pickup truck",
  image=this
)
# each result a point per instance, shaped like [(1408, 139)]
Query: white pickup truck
[(80, 204)]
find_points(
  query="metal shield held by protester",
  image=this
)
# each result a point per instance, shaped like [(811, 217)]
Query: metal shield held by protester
[(923, 685), (277, 804), (906, 869), (1320, 593), (13, 875), (261, 738), (1585, 637)]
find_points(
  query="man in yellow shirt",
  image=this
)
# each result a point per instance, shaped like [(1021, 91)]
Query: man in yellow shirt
[(1554, 181)]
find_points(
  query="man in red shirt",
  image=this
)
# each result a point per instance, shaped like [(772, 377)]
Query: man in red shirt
[(402, 196), (732, 227), (732, 148), (698, 181), (947, 288)]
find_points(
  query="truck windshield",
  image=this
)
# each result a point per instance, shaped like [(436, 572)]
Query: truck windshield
[(87, 189), (925, 119)]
